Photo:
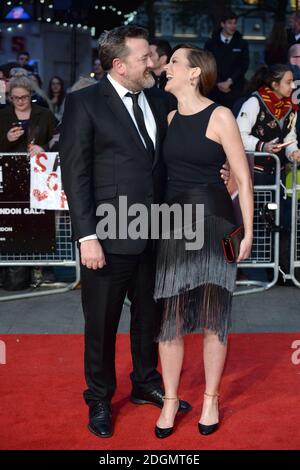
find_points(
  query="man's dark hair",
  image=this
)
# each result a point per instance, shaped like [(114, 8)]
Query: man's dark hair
[(112, 44), (163, 47), (23, 53), (228, 15)]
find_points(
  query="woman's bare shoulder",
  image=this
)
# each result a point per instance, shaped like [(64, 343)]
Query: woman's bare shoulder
[(222, 113)]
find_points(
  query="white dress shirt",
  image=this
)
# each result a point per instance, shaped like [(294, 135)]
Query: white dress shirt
[(225, 39), (148, 117)]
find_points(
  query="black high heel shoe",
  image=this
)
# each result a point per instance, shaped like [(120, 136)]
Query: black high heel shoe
[(205, 429), (162, 433)]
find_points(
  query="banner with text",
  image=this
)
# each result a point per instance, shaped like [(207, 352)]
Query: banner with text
[(46, 190), (22, 229)]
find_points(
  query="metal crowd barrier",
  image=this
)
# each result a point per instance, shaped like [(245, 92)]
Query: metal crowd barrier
[(66, 255), (265, 249), (295, 228)]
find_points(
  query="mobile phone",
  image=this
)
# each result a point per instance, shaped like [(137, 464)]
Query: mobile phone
[(285, 144), (17, 124)]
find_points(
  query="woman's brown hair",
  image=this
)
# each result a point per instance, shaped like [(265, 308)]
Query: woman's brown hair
[(198, 57)]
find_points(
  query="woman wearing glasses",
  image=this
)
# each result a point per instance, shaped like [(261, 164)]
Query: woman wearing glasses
[(24, 126)]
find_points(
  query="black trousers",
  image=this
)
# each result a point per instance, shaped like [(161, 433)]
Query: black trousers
[(103, 294)]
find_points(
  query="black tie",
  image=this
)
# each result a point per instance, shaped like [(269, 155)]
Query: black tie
[(139, 117)]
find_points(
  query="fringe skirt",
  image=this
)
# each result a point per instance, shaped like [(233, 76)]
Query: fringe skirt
[(196, 286)]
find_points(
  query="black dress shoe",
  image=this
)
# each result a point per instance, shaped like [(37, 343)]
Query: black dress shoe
[(156, 397), (100, 422), (205, 430), (162, 433)]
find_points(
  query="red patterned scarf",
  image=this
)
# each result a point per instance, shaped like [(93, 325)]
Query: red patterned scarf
[(278, 106)]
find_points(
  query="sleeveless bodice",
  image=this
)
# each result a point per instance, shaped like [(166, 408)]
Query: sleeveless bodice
[(191, 158)]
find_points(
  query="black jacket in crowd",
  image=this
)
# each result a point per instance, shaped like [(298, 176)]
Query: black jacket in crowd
[(232, 62), (41, 126), (291, 38)]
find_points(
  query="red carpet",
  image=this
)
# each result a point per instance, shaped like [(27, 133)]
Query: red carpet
[(42, 407)]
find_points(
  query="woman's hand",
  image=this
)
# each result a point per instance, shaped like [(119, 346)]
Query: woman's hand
[(14, 133), (295, 156), (245, 249), (271, 147), (34, 150)]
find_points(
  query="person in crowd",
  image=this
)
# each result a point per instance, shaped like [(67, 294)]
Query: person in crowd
[(4, 87), (81, 83), (232, 57), (56, 93), (26, 127), (277, 45), (23, 59), (196, 285), (293, 33), (160, 55), (294, 62), (24, 123), (39, 96), (267, 122), (98, 71), (268, 118)]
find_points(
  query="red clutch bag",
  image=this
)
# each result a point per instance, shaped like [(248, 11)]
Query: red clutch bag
[(231, 244)]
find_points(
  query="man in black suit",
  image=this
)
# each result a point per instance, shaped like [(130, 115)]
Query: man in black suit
[(232, 57), (293, 33), (110, 146)]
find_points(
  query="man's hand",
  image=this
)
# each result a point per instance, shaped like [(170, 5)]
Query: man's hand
[(92, 255), (224, 87), (225, 172)]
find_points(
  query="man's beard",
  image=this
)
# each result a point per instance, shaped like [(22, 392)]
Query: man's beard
[(147, 81)]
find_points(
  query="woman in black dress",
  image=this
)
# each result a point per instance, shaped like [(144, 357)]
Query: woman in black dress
[(196, 286)]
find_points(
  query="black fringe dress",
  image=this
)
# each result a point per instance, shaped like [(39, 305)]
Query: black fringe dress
[(196, 286)]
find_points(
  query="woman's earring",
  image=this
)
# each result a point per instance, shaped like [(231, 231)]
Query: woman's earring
[(192, 82)]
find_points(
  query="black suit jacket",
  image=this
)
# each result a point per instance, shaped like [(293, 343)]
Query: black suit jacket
[(103, 157)]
